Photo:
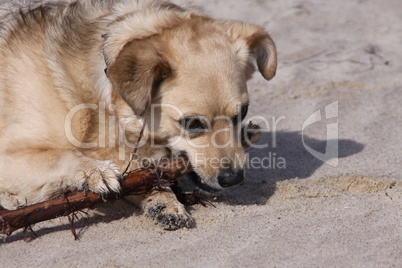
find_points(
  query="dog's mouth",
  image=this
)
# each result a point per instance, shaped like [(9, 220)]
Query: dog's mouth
[(198, 182)]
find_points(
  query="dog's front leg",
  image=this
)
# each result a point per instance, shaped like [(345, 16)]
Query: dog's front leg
[(31, 176), (162, 206)]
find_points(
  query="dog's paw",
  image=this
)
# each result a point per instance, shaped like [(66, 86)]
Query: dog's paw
[(165, 211), (101, 177)]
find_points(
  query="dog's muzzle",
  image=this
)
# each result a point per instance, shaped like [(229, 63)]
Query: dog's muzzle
[(230, 178), (225, 180)]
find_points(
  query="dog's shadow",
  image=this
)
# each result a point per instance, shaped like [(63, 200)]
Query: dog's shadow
[(287, 160)]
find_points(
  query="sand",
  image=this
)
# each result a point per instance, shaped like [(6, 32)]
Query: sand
[(309, 214)]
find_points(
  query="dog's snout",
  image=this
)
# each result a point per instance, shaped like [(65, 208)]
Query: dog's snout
[(230, 178)]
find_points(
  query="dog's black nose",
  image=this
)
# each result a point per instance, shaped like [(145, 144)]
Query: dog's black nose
[(230, 178)]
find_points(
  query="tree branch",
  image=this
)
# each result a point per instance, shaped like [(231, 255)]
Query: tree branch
[(137, 182)]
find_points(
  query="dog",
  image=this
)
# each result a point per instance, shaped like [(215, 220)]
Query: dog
[(79, 81)]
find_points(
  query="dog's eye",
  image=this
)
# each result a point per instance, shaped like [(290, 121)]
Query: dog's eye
[(244, 111), (242, 114), (193, 124)]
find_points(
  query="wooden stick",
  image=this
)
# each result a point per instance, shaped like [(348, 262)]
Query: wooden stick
[(138, 182)]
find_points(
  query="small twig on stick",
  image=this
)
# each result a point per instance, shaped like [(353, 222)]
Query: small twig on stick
[(71, 219), (137, 144)]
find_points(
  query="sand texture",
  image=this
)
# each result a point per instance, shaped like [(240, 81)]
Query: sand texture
[(309, 214)]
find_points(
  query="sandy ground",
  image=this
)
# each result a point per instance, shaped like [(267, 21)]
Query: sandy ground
[(309, 214)]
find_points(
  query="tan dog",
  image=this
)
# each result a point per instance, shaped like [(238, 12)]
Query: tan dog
[(78, 80)]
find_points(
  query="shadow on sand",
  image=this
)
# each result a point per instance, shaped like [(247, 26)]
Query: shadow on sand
[(107, 212), (260, 182)]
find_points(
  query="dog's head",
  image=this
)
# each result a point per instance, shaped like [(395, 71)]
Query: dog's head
[(186, 74)]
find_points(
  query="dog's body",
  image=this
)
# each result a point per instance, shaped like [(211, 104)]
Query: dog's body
[(77, 81)]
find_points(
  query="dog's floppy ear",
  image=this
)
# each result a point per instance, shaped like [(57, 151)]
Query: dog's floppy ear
[(137, 73), (132, 59), (258, 42)]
